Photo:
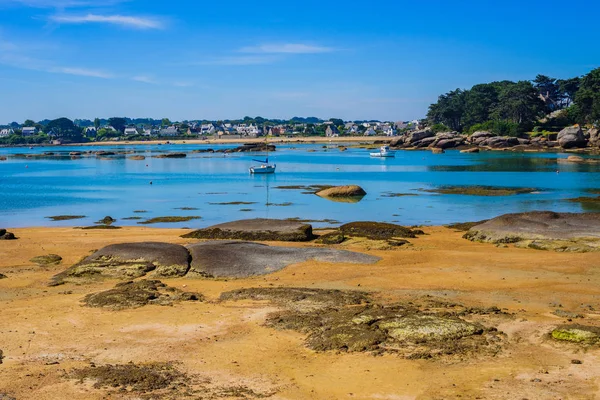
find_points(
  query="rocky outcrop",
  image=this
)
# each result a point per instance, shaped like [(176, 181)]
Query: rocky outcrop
[(128, 261), (4, 235), (48, 259), (377, 230), (542, 230), (576, 333), (571, 137), (218, 259), (447, 140), (260, 229), (594, 137), (342, 192), (477, 137), (498, 142), (128, 295), (250, 147), (171, 155)]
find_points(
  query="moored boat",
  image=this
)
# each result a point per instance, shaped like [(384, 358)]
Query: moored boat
[(384, 151)]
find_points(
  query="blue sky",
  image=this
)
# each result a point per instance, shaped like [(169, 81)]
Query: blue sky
[(185, 59)]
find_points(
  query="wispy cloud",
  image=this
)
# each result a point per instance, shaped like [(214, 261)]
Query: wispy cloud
[(145, 79), (237, 60), (80, 72), (122, 20), (287, 48), (60, 4)]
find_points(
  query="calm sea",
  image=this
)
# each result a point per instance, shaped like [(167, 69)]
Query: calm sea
[(33, 189)]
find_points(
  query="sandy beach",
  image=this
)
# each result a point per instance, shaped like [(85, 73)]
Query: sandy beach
[(47, 332)]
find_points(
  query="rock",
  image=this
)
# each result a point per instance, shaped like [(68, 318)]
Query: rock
[(105, 153), (436, 150), (423, 143), (594, 134), (331, 238), (3, 158), (497, 142), (106, 220), (127, 295), (577, 334), (579, 160), (310, 298), (418, 328), (2, 276), (542, 229), (1, 356), (571, 137), (128, 261), (566, 314), (47, 259), (74, 153), (4, 235), (479, 136), (417, 136), (340, 192), (377, 230), (250, 147), (257, 229), (171, 155), (471, 150), (137, 158), (575, 361), (218, 259)]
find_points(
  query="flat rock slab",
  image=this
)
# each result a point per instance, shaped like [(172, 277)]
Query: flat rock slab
[(543, 230), (130, 260), (244, 259), (257, 229)]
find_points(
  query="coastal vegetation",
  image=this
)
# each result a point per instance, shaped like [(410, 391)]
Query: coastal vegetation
[(509, 108)]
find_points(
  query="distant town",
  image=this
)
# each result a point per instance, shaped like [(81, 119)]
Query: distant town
[(64, 130)]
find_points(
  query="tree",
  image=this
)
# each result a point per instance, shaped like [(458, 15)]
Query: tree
[(96, 123), (118, 123), (479, 102), (337, 121), (29, 122), (568, 88), (548, 89), (448, 110), (165, 122), (65, 129), (587, 98), (519, 103)]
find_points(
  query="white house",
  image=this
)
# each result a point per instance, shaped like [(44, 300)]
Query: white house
[(130, 131), (248, 130), (370, 132), (29, 130), (207, 129), (332, 131), (90, 130), (6, 132), (147, 132)]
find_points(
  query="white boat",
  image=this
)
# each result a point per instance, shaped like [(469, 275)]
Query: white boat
[(384, 151), (265, 167)]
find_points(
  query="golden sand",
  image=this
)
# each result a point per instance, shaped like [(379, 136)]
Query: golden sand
[(45, 331)]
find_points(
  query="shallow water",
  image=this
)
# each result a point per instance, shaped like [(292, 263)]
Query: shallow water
[(32, 189)]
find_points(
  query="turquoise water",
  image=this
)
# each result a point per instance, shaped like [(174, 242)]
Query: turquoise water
[(32, 189)]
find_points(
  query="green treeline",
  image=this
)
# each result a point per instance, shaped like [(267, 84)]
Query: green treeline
[(512, 108)]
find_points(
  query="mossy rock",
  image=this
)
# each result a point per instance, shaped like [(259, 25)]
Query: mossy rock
[(577, 334), (480, 190), (260, 229), (65, 217), (465, 226), (171, 155), (47, 259), (101, 227), (331, 238), (164, 220), (377, 230), (108, 220), (417, 328), (127, 295)]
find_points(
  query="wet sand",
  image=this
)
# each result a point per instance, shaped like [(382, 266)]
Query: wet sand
[(45, 331)]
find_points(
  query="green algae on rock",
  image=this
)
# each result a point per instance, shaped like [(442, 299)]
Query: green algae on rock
[(127, 295), (331, 238), (256, 229), (47, 259), (577, 334), (163, 220), (65, 217), (464, 226), (378, 230), (480, 190)]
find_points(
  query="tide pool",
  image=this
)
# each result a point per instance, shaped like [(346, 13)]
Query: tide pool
[(32, 189)]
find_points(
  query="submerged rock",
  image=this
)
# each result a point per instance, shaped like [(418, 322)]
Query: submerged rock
[(480, 190), (219, 259), (377, 230), (542, 229), (257, 229), (130, 260), (106, 220), (171, 155), (126, 295)]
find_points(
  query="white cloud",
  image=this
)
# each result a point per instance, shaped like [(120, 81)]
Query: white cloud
[(144, 79), (287, 48), (237, 60), (123, 20), (81, 72)]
